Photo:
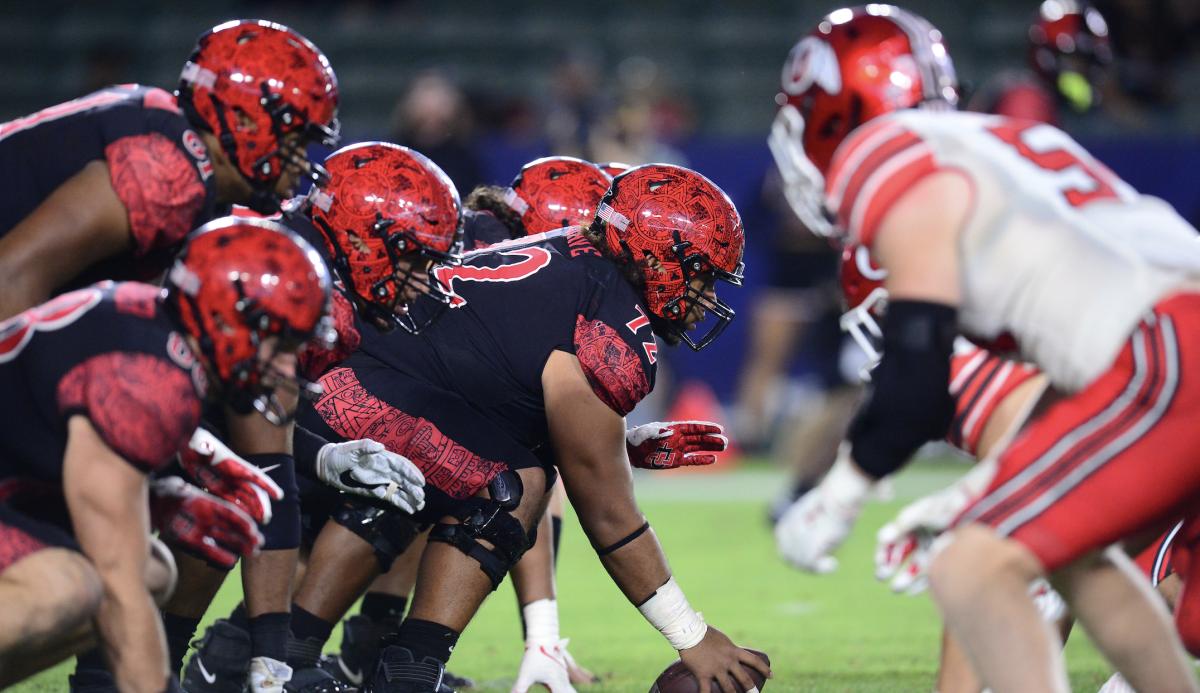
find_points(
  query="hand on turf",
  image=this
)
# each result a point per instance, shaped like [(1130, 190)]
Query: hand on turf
[(367, 468), (818, 523), (719, 665), (674, 444), (544, 664), (576, 673), (904, 546), (202, 524), (220, 471)]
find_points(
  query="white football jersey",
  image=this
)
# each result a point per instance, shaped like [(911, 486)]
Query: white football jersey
[(1057, 251)]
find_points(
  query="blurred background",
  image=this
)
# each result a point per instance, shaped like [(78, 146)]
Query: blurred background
[(483, 87)]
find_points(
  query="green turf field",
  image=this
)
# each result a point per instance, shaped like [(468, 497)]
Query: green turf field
[(842, 632)]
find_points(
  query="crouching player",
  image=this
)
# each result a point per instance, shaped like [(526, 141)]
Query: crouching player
[(108, 383)]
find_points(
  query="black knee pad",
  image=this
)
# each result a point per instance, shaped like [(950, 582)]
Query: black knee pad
[(388, 532), (490, 519), (283, 531)]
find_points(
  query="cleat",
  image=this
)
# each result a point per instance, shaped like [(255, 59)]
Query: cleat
[(221, 662), (398, 672), (316, 680)]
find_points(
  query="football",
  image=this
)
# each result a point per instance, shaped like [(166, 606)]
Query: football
[(677, 678)]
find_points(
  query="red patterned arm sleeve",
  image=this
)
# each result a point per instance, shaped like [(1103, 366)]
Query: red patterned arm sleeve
[(619, 376), (144, 407), (159, 186)]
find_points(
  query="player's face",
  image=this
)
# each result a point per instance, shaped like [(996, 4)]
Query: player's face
[(412, 275), (705, 286), (295, 157), (277, 363)]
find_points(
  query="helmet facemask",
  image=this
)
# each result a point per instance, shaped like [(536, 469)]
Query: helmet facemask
[(862, 324), (715, 313)]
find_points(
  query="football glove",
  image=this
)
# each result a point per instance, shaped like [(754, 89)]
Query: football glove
[(367, 468), (674, 444), (201, 524), (819, 521), (220, 471), (904, 546), (544, 664)]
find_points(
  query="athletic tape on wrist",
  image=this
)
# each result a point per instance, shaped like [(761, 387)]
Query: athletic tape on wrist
[(668, 611)]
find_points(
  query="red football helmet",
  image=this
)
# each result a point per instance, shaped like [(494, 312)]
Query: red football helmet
[(253, 83), (614, 168), (677, 218), (238, 282), (859, 63), (386, 213), (557, 191), (866, 300), (1070, 51)]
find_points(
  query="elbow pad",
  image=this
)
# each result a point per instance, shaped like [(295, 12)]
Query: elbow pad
[(910, 403)]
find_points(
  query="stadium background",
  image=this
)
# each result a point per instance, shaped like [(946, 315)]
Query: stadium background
[(688, 81)]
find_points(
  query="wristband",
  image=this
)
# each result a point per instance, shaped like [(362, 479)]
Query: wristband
[(668, 611)]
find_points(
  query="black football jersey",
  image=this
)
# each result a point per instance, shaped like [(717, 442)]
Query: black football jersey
[(513, 304), (106, 352), (481, 229), (158, 165)]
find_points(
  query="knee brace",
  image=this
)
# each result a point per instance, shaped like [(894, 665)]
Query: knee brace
[(490, 519), (389, 533), (283, 531)]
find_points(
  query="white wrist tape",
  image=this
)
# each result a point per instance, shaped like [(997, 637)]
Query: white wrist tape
[(541, 621), (668, 611)]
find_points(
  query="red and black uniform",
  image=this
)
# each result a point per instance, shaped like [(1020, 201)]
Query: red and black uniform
[(463, 400), (106, 352), (158, 165), (482, 228)]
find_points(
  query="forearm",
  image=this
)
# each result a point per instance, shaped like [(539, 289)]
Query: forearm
[(306, 445), (131, 631)]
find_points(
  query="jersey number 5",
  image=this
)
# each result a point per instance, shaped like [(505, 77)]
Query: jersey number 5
[(1059, 159)]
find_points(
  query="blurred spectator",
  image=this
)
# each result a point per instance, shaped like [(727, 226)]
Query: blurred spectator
[(649, 118), (433, 118), (577, 102), (1152, 37)]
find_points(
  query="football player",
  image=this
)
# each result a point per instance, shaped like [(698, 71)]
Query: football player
[(491, 383), (106, 384), (383, 215), (106, 186), (1010, 232)]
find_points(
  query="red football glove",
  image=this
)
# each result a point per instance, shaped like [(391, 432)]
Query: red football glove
[(674, 444), (218, 470), (202, 524)]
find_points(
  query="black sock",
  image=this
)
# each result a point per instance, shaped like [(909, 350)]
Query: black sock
[(427, 639), (309, 633), (384, 610), (91, 662), (239, 617), (180, 630), (269, 635), (555, 535)]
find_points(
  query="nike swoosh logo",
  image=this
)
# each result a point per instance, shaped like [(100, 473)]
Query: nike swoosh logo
[(210, 678), (355, 677), (347, 479), (273, 467), (542, 649)]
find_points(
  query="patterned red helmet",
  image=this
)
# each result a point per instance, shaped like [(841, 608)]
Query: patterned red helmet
[(252, 83), (866, 300), (238, 282), (859, 63), (680, 219), (384, 208), (614, 168), (557, 191), (1069, 49)]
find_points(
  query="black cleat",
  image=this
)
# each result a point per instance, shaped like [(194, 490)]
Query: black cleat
[(399, 673), (92, 681), (316, 680), (359, 654), (455, 682), (221, 661)]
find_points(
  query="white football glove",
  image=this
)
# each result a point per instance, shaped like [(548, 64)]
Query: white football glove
[(544, 664), (905, 546), (367, 468), (818, 523)]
